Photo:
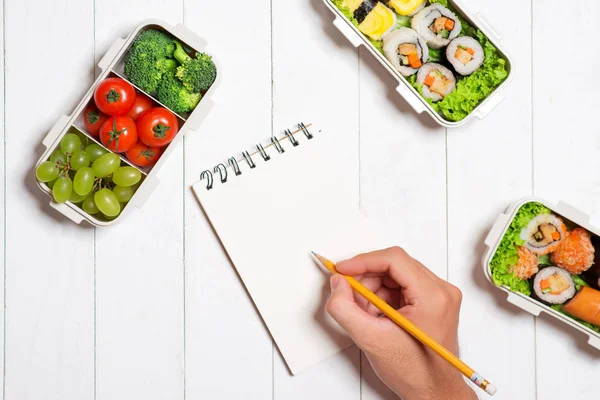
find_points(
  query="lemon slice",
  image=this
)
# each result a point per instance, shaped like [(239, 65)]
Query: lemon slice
[(405, 7), (380, 21)]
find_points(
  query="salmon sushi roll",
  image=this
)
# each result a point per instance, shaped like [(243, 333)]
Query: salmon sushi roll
[(544, 233), (575, 253), (527, 266)]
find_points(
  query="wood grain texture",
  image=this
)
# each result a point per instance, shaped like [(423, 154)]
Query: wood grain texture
[(49, 260), (229, 352), (489, 166), (2, 197), (565, 122), (139, 263)]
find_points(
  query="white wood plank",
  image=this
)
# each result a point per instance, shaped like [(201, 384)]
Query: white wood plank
[(489, 165), (315, 79), (564, 123), (139, 266), (2, 193), (403, 179), (229, 353), (49, 259)]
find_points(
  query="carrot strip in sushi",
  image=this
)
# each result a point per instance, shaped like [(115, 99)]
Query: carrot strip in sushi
[(585, 305)]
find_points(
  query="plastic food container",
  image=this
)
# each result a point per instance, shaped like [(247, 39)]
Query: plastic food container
[(406, 90), (111, 65), (569, 214)]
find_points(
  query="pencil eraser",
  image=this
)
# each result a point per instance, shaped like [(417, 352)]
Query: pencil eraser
[(491, 389)]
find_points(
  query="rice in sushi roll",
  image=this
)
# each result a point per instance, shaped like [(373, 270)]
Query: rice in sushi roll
[(437, 25), (575, 253), (465, 54), (406, 50), (554, 285), (437, 80), (544, 233)]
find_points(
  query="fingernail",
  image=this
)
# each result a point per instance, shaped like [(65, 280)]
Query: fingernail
[(334, 281)]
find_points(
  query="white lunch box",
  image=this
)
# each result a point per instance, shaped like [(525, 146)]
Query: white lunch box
[(111, 65), (520, 300), (406, 90)]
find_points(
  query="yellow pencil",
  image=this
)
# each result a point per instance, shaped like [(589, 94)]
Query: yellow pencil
[(411, 328)]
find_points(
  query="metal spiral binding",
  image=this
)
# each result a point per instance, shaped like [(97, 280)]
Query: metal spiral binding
[(209, 177), (222, 172), (232, 162)]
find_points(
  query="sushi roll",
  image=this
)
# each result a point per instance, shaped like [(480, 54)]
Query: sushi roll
[(544, 233), (437, 25), (406, 50), (465, 54), (575, 253), (592, 275), (586, 306), (527, 266), (437, 80), (406, 7), (554, 285), (374, 19)]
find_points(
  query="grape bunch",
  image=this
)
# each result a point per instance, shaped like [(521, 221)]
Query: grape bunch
[(89, 176)]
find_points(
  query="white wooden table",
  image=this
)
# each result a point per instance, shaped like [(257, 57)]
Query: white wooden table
[(152, 309)]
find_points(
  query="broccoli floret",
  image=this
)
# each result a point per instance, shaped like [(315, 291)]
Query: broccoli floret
[(150, 57), (174, 95), (197, 74)]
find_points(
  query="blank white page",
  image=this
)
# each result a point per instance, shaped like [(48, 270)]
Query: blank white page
[(269, 219)]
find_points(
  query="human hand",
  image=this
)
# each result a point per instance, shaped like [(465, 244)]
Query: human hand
[(411, 370)]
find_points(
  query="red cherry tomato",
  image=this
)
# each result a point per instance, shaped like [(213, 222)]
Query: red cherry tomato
[(157, 127), (142, 104), (114, 96), (93, 119), (144, 156), (119, 134)]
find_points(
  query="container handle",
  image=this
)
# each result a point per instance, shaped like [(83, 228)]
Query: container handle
[(488, 26), (199, 115), (594, 342), (488, 105), (347, 31), (497, 228), (524, 304), (188, 36), (111, 54), (414, 101), (55, 131), (67, 212)]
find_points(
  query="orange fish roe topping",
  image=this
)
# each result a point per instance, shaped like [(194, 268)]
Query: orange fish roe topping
[(527, 265), (575, 253)]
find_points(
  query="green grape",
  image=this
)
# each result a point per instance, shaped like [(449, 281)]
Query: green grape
[(123, 193), (107, 202), (70, 143), (95, 151), (106, 164), (46, 172), (84, 181), (62, 189), (80, 159), (76, 198), (89, 205), (127, 176), (51, 184), (84, 139), (58, 157)]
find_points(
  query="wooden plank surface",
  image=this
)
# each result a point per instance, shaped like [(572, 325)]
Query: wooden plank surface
[(139, 263), (565, 122), (49, 260)]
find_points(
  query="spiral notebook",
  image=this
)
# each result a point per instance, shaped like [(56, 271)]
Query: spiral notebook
[(270, 208)]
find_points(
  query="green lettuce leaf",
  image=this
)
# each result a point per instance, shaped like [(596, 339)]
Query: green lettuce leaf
[(506, 256), (593, 327)]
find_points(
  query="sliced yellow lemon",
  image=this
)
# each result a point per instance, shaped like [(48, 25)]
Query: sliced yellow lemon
[(379, 21), (405, 7)]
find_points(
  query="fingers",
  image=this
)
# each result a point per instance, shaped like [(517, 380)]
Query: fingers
[(391, 296), (401, 267), (346, 312)]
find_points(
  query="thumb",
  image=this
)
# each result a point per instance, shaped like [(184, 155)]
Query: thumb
[(344, 310)]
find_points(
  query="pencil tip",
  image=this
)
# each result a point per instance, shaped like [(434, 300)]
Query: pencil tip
[(313, 253)]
